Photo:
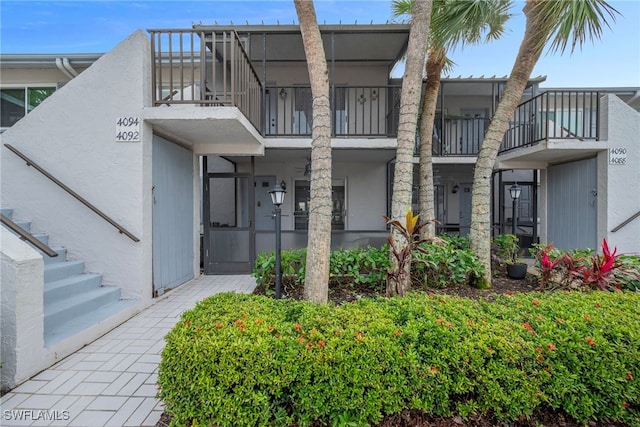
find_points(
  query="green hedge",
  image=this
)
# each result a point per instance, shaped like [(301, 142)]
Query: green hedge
[(238, 360)]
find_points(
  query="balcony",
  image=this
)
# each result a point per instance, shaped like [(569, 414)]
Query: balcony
[(214, 93), (211, 69), (554, 115), (357, 111)]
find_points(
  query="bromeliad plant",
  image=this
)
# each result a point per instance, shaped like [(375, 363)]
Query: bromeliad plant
[(399, 274)]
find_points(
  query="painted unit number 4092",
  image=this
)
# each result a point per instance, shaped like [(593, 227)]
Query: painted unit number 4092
[(128, 129)]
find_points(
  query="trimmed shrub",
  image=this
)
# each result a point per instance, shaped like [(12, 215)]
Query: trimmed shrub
[(245, 360)]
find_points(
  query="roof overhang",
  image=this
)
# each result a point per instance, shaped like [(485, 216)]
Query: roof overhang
[(374, 43), (206, 130), (45, 61)]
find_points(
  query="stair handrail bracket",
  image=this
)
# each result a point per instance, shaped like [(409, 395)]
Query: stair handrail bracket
[(25, 235), (627, 221), (81, 199)]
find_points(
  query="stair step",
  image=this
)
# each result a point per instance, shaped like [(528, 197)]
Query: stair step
[(62, 270), (56, 333), (44, 238), (70, 287), (7, 212), (25, 225), (62, 256), (59, 312)]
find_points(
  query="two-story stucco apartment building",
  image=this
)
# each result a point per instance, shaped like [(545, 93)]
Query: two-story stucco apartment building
[(174, 138)]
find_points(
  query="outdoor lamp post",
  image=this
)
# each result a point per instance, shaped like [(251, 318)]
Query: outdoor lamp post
[(515, 191), (277, 197)]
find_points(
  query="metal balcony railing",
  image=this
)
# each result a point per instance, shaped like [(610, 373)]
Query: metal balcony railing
[(457, 136), (211, 68), (554, 115), (357, 111), (204, 68)]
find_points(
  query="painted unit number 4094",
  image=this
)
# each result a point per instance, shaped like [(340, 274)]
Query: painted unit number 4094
[(128, 129), (128, 121)]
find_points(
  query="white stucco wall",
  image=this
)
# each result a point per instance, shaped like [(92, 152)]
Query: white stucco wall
[(72, 135), (21, 333), (365, 189), (618, 184), (366, 194)]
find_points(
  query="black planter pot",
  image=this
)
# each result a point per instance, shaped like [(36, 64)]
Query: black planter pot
[(517, 271)]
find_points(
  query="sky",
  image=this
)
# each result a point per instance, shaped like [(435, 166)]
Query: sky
[(82, 26)]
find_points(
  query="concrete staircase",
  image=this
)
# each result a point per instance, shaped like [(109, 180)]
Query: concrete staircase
[(73, 299)]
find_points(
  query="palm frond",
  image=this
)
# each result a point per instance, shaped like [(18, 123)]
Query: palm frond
[(573, 21)]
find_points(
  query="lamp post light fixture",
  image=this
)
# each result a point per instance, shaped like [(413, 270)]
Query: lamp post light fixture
[(277, 198), (514, 191)]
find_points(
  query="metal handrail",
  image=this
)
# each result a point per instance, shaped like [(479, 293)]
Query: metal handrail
[(82, 200), (631, 218), (25, 235)]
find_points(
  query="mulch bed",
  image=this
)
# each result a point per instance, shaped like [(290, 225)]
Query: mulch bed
[(501, 284)]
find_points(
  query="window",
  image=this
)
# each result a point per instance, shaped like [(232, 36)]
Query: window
[(302, 201), (17, 102)]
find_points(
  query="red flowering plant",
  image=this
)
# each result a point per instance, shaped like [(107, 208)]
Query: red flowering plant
[(600, 274)]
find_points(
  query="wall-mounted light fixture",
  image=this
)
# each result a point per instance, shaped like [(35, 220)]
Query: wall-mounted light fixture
[(362, 99), (455, 189), (283, 94), (374, 95)]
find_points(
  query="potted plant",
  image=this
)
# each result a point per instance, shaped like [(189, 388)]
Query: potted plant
[(507, 251)]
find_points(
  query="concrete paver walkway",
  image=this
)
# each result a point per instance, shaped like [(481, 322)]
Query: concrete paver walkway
[(112, 381)]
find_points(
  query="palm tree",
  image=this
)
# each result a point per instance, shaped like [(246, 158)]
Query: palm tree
[(453, 22), (408, 118), (555, 21), (316, 286)]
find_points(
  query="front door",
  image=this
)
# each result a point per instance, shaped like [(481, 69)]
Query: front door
[(465, 209), (228, 238), (172, 215), (573, 204), (265, 211)]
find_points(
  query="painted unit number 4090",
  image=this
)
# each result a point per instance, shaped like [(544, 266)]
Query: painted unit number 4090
[(128, 129)]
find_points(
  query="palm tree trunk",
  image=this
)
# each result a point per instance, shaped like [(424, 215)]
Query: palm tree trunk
[(530, 50), (409, 103), (316, 286), (435, 64)]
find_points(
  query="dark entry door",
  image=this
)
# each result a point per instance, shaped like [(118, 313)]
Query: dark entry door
[(465, 208), (229, 237)]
